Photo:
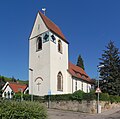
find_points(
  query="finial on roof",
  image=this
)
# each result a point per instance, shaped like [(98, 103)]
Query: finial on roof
[(44, 10)]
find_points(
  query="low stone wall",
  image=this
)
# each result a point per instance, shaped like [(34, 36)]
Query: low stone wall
[(84, 106)]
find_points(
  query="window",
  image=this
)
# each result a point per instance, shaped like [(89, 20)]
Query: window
[(59, 46), (45, 37), (5, 94), (82, 86), (38, 26), (39, 43), (53, 38), (59, 82), (87, 88), (8, 94), (83, 76), (76, 85)]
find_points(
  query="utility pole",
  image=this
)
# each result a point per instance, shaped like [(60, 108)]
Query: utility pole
[(31, 76)]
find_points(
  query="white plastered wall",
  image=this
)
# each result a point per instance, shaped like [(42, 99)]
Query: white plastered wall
[(7, 89), (39, 61), (58, 63)]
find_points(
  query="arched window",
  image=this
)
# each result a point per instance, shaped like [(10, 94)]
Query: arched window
[(59, 46), (59, 82), (39, 43), (5, 94)]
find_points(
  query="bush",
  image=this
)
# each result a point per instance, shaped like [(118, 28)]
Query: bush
[(89, 96), (77, 95), (114, 98), (27, 97), (104, 97), (22, 110), (17, 96)]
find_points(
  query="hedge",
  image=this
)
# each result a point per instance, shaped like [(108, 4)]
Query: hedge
[(22, 110), (77, 95), (58, 97)]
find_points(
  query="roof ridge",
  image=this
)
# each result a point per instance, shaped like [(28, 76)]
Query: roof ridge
[(49, 19), (17, 83)]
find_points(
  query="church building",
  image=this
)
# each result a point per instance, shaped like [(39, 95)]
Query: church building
[(50, 71)]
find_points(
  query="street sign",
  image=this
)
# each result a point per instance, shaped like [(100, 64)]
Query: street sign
[(49, 92), (98, 90)]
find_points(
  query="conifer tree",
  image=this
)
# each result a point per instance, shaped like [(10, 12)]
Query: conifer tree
[(80, 62), (110, 73)]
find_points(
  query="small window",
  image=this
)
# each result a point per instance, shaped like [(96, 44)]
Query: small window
[(87, 88), (76, 84), (45, 37), (38, 26), (82, 86), (8, 94), (59, 82), (39, 43), (5, 94), (53, 38), (59, 46)]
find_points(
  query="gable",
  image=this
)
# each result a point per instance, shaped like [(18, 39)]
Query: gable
[(43, 24), (53, 27), (39, 27), (7, 88)]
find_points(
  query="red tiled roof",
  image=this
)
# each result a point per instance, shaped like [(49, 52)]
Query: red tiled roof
[(52, 26), (78, 72), (16, 87)]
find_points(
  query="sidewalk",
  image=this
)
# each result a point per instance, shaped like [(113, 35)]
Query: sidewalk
[(110, 111), (108, 114)]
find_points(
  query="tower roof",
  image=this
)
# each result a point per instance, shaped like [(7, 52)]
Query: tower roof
[(53, 27)]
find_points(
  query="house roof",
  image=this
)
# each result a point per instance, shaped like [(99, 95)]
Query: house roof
[(53, 27), (16, 87), (78, 73)]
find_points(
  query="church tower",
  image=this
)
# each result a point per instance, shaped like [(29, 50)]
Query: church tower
[(48, 58)]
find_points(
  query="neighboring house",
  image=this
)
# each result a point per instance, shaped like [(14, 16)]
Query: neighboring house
[(49, 68), (10, 88)]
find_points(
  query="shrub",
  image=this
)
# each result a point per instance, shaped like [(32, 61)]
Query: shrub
[(104, 97), (27, 97), (89, 96), (77, 95), (22, 110), (114, 98), (17, 96)]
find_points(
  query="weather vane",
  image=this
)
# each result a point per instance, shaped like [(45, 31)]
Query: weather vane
[(44, 10)]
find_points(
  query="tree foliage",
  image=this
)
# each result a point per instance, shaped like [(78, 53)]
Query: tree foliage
[(110, 73), (80, 62)]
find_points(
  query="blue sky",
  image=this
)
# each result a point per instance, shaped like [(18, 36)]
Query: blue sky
[(88, 25)]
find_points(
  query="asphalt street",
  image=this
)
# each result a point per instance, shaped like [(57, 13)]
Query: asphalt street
[(61, 114)]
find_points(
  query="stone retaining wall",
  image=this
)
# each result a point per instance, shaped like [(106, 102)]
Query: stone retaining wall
[(84, 106)]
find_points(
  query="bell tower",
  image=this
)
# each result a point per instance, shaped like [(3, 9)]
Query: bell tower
[(48, 58)]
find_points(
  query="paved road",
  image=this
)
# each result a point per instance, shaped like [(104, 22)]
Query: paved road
[(60, 114)]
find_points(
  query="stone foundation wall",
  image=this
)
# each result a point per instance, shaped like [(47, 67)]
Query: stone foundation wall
[(84, 106)]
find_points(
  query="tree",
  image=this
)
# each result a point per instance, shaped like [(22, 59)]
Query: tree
[(80, 62), (110, 73), (13, 79)]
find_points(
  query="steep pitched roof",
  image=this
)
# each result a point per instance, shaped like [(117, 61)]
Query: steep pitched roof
[(78, 72), (16, 87), (53, 27)]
